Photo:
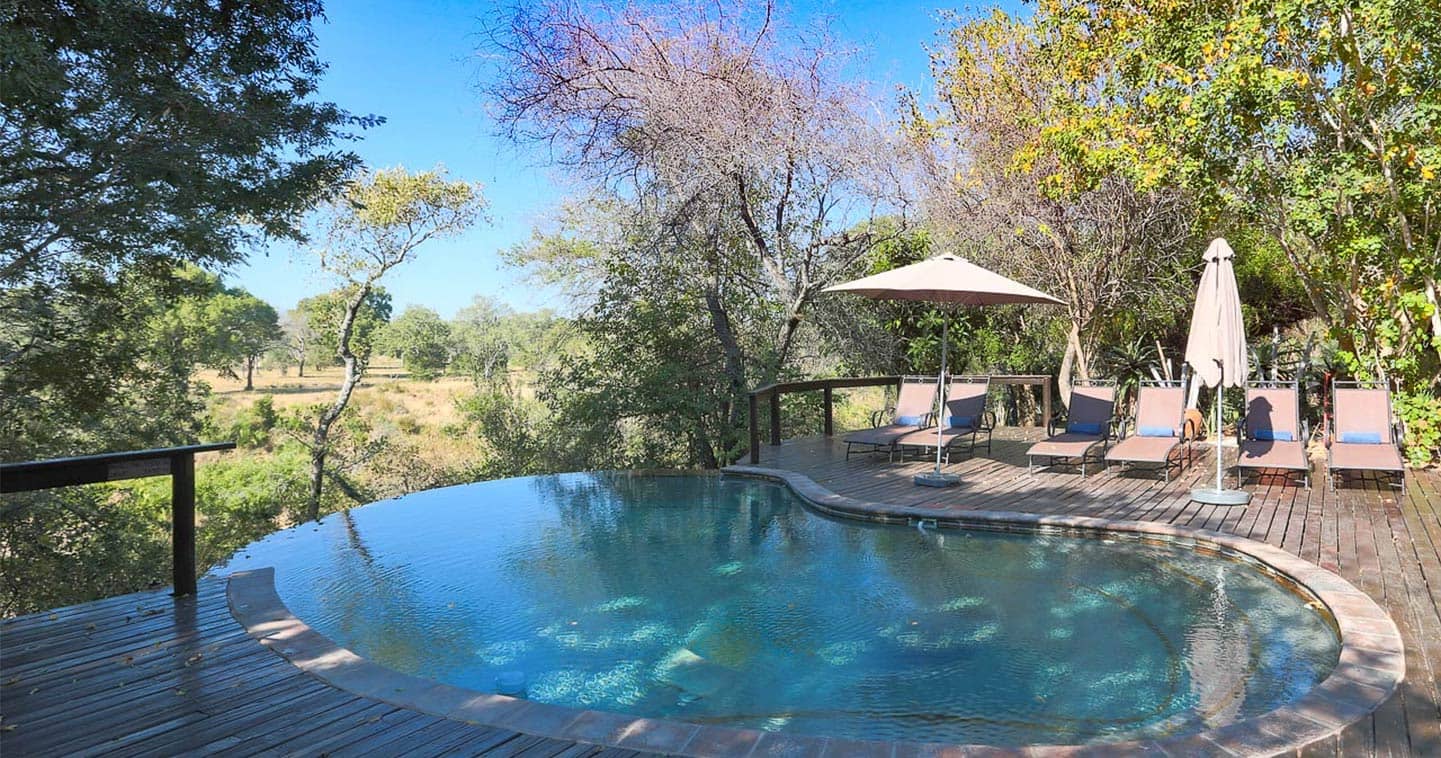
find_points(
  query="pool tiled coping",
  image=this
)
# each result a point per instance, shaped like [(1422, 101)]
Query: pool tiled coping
[(1371, 665)]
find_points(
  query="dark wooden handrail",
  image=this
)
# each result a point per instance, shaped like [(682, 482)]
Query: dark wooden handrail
[(176, 462), (773, 392), (827, 386)]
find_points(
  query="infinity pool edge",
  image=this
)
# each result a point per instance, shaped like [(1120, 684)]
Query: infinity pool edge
[(1370, 668)]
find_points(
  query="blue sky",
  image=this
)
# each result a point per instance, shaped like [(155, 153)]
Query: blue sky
[(415, 64)]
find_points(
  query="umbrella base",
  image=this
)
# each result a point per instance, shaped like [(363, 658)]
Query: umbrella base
[(1212, 496), (934, 479)]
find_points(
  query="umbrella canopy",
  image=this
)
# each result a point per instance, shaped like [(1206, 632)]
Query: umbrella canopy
[(945, 279), (1216, 348)]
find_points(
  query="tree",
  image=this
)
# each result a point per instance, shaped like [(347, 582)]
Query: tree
[(241, 328), (479, 342), (717, 147), (1017, 185), (379, 222), (421, 339), (1315, 121), (298, 338), (136, 136), (324, 313)]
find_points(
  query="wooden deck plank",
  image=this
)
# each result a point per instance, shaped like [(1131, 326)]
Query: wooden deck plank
[(158, 675)]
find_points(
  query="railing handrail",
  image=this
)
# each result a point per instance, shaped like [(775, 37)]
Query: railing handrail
[(840, 382), (176, 462), (28, 472)]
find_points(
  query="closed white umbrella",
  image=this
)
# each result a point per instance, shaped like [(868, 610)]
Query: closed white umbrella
[(944, 279), (1216, 350)]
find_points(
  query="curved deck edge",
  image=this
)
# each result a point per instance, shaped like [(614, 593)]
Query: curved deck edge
[(1370, 669)]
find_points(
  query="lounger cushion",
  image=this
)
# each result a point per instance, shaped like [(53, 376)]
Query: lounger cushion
[(1144, 449), (1366, 456), (883, 436), (1068, 445), (1272, 435), (1156, 431), (1081, 427), (1273, 454), (909, 420), (963, 421), (1361, 438)]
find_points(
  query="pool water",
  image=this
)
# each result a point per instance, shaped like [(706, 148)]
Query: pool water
[(725, 601)]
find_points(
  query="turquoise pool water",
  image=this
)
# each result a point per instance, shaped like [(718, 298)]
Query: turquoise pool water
[(724, 601)]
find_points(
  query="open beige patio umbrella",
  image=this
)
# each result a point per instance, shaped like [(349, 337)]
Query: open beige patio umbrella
[(946, 279), (1216, 350)]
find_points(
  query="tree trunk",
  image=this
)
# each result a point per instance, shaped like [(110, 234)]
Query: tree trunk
[(249, 373), (1074, 359), (735, 368), (302, 368), (320, 442), (1435, 301)]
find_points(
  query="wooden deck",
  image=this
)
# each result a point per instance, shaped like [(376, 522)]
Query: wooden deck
[(1386, 545), (147, 674)]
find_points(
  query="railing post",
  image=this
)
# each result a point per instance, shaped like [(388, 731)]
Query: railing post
[(182, 522), (775, 417), (1046, 401), (755, 431), (830, 422)]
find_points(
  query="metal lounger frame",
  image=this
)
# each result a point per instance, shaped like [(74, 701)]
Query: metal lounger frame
[(987, 425), (1188, 453), (1301, 427), (1332, 471), (876, 416), (1092, 454)]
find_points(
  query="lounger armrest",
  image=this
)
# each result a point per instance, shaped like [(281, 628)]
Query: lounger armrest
[(1122, 429), (988, 421), (877, 417), (1056, 421)]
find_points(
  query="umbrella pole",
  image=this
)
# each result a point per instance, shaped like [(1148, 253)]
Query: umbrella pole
[(936, 478), (1220, 392), (1220, 495), (941, 393)]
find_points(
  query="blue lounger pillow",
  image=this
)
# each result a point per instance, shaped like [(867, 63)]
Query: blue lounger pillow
[(1361, 438), (1156, 431), (1082, 427), (1272, 435), (963, 421), (910, 420)]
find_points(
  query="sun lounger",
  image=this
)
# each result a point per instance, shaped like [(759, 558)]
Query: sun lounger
[(915, 406), (966, 419), (1158, 431), (1090, 416), (1363, 434), (1271, 434)]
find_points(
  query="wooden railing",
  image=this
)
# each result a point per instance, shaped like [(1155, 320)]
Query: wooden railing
[(176, 462), (772, 393)]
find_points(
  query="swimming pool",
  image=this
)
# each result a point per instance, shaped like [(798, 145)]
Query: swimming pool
[(724, 601)]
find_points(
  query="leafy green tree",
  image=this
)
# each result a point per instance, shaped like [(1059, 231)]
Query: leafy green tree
[(1315, 121), (421, 339), (135, 136), (481, 342), (242, 327), (379, 222), (323, 315)]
